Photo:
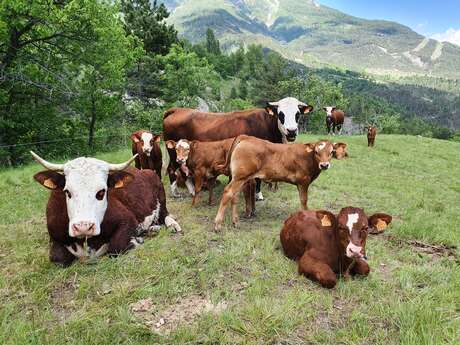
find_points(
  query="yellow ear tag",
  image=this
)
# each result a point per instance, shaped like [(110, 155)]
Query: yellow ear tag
[(119, 184), (381, 225), (325, 221), (49, 183)]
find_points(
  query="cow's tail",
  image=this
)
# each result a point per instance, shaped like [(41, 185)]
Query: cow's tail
[(225, 168)]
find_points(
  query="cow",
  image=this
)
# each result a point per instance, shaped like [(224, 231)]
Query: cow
[(325, 245), (340, 150), (334, 120), (205, 161), (147, 147), (277, 123), (250, 157), (96, 207), (371, 134)]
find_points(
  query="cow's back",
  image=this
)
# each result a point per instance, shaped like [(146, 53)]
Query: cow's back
[(190, 124)]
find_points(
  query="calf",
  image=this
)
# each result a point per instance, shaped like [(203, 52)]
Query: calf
[(334, 119), (205, 161), (147, 147), (340, 150), (371, 134), (96, 207), (250, 157), (325, 245)]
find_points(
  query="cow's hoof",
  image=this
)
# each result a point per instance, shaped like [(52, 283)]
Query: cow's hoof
[(217, 227), (170, 222), (154, 230)]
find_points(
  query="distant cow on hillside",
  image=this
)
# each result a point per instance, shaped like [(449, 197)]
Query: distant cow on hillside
[(147, 147), (277, 123), (371, 134), (325, 245), (334, 120), (97, 208)]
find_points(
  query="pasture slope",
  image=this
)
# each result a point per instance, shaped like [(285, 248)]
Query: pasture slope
[(412, 295)]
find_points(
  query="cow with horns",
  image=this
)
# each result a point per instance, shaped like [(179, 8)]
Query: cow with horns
[(96, 207)]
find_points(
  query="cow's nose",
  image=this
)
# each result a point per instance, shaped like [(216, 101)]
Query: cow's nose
[(291, 132), (324, 166), (83, 229)]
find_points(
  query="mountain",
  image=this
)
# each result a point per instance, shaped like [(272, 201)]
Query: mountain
[(319, 36)]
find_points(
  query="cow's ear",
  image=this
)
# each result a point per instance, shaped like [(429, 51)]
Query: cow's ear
[(379, 222), (171, 144), (310, 147), (157, 138), (271, 109), (305, 109), (50, 179), (119, 179), (135, 137), (326, 218)]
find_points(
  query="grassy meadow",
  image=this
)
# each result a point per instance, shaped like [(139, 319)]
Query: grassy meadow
[(236, 287)]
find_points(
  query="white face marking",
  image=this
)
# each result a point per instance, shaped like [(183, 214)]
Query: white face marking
[(321, 146), (185, 145), (85, 177), (329, 111), (146, 138), (289, 107), (352, 220)]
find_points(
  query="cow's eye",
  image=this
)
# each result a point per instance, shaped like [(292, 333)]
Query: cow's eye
[(100, 195), (68, 194), (281, 117)]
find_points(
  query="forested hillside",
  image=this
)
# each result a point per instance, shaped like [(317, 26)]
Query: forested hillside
[(77, 77)]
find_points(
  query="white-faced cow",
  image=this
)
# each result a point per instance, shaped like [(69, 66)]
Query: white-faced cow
[(277, 123), (334, 119), (147, 147), (97, 208)]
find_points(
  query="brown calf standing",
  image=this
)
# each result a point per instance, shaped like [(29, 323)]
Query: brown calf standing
[(147, 147), (250, 157), (205, 161), (334, 120), (371, 134), (325, 245), (340, 150)]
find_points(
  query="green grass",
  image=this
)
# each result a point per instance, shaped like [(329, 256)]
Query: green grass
[(410, 297)]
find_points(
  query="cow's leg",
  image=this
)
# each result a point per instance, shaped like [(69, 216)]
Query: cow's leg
[(227, 196), (158, 167), (59, 254), (123, 239), (249, 197), (198, 186), (211, 185), (303, 195), (190, 186), (171, 170), (259, 196), (340, 129), (317, 270), (235, 217), (361, 267)]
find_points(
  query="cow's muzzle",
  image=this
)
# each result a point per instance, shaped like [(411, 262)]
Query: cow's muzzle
[(83, 229), (291, 135), (324, 166)]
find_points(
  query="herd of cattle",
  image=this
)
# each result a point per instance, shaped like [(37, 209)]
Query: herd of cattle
[(98, 208)]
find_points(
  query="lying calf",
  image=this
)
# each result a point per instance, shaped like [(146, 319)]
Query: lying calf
[(97, 208), (340, 150), (202, 162), (325, 245), (250, 158)]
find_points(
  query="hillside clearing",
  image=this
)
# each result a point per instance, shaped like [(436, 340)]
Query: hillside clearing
[(238, 286)]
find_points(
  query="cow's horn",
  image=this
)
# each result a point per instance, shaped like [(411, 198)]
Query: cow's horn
[(122, 166), (273, 104), (46, 164), (303, 104)]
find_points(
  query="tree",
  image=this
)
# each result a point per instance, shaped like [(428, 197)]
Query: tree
[(212, 44)]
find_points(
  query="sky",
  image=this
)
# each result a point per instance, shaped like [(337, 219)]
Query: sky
[(437, 19)]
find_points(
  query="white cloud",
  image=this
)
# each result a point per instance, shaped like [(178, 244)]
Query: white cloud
[(451, 35)]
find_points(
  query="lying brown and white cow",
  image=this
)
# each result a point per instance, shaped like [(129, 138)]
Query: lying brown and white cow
[(340, 150), (325, 245), (277, 123), (249, 158), (371, 134), (147, 147), (334, 119), (96, 207)]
